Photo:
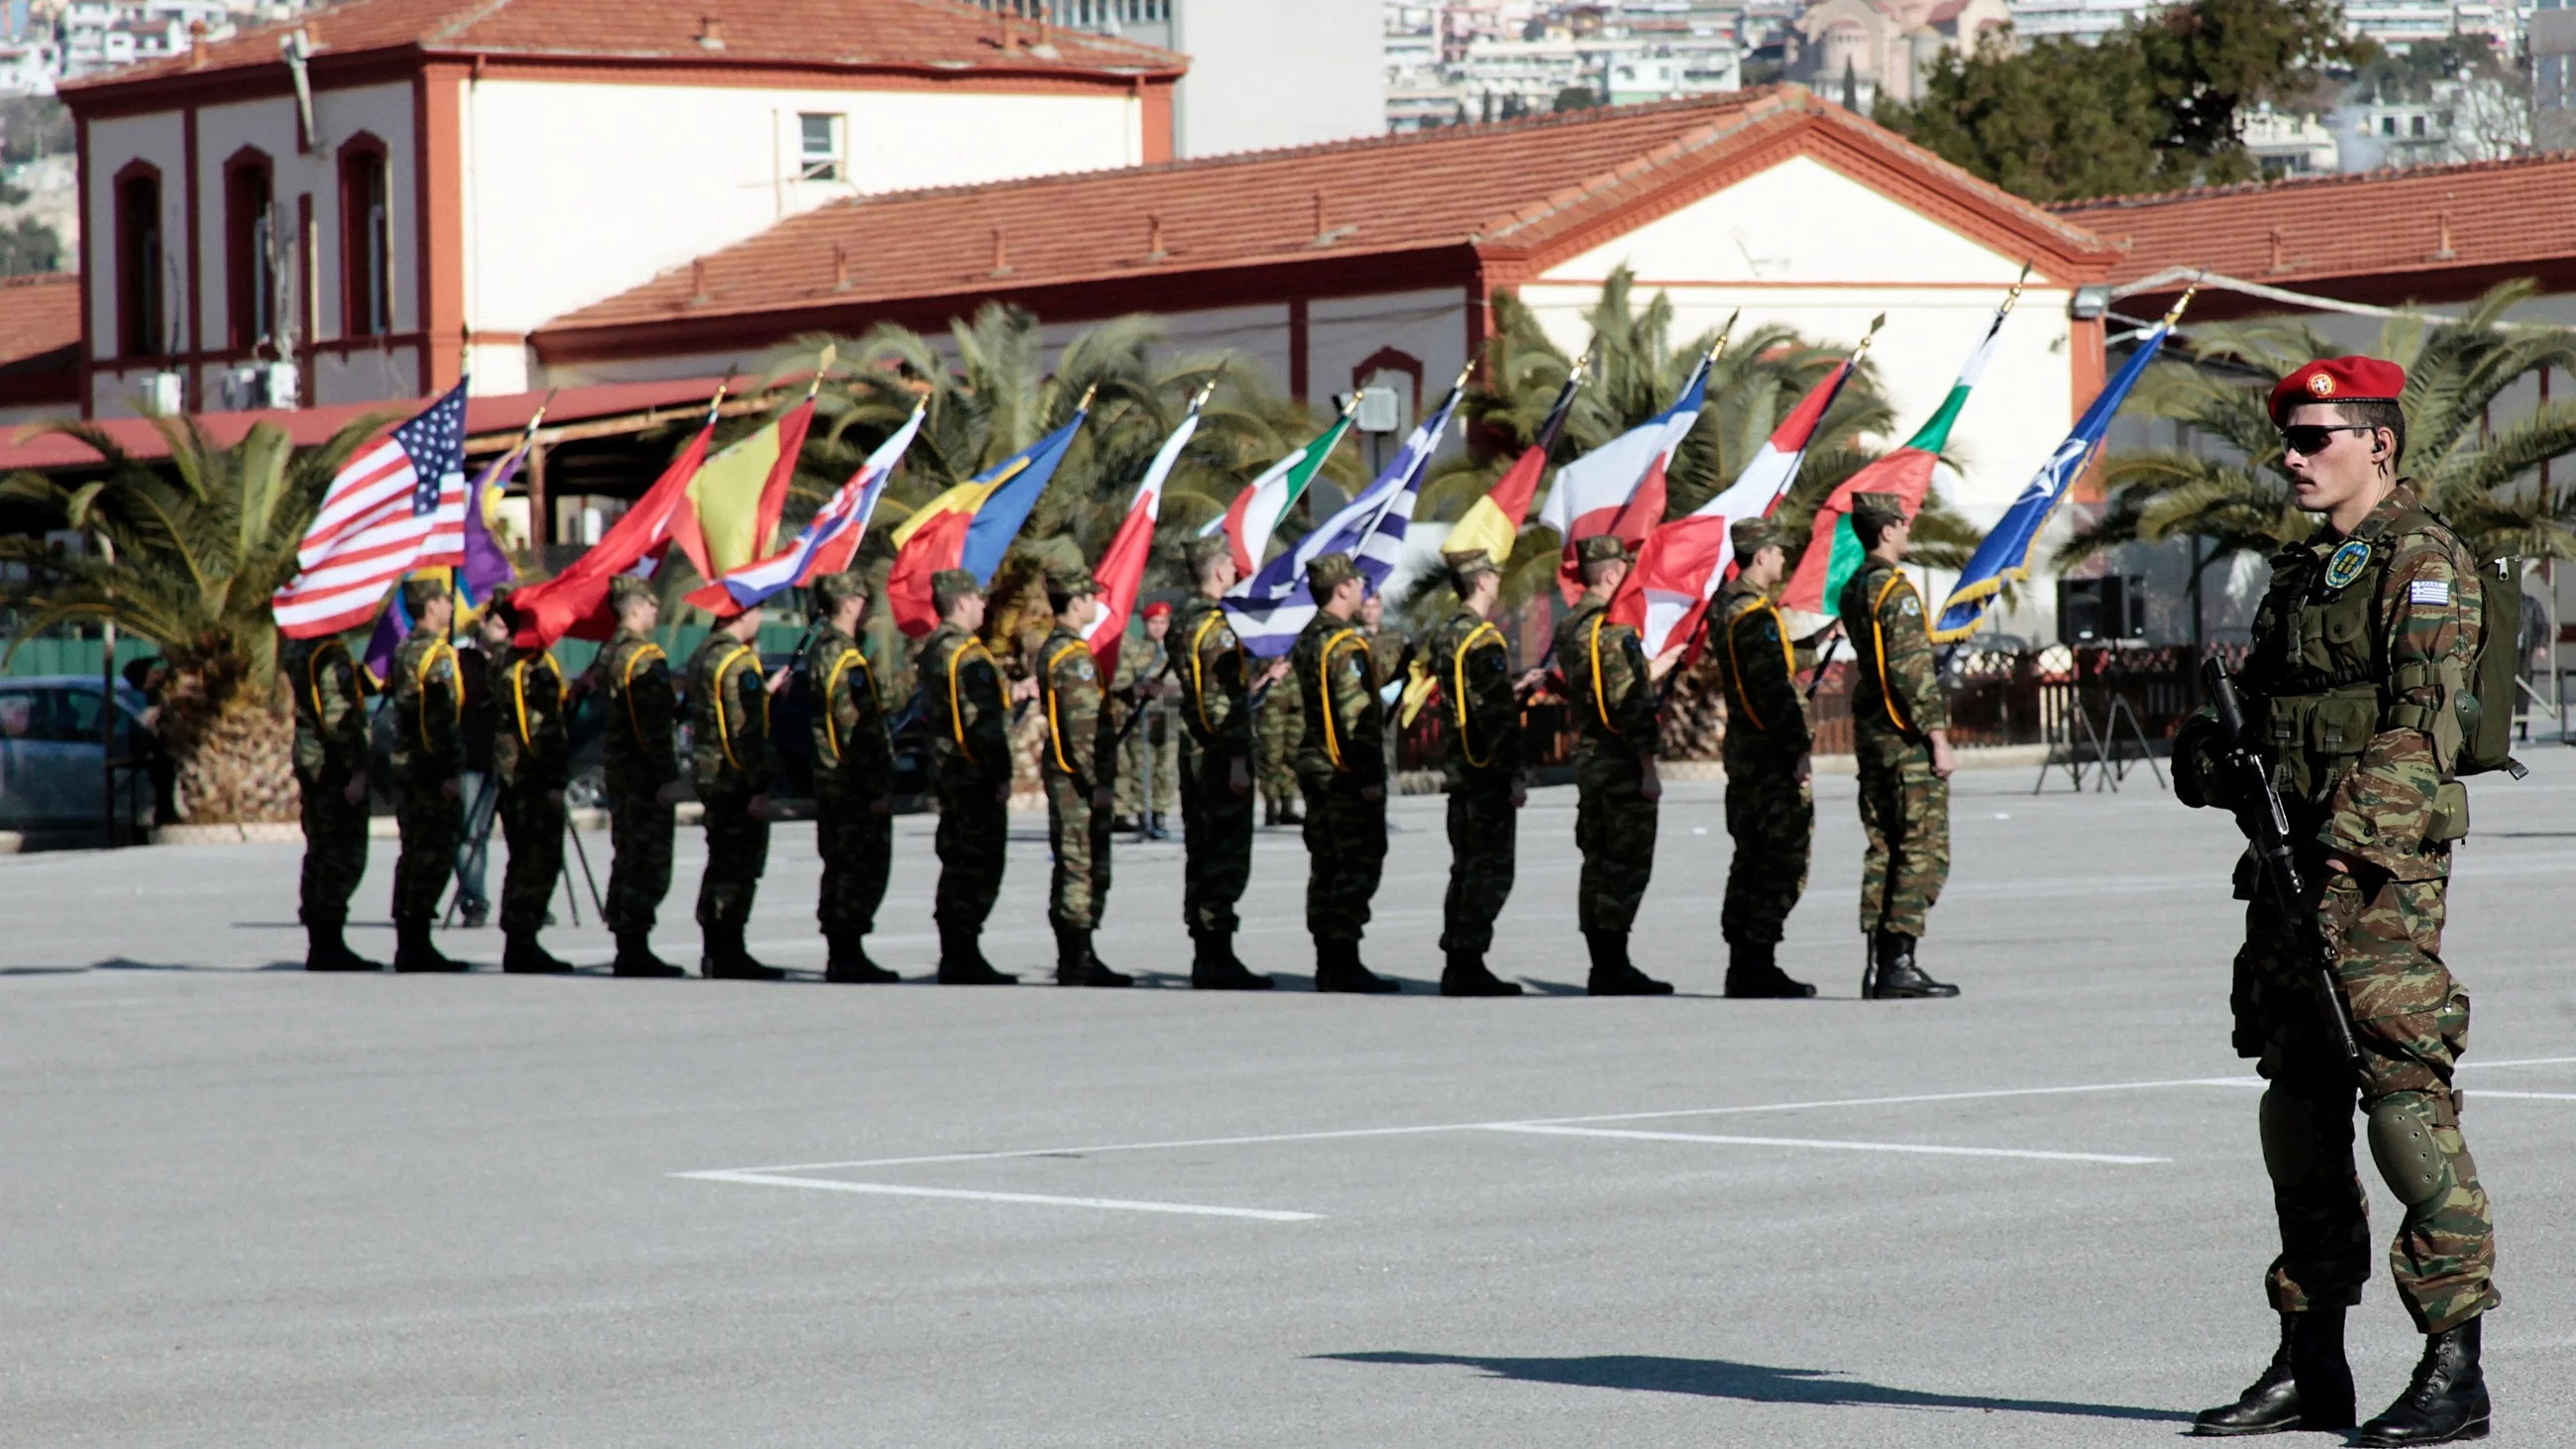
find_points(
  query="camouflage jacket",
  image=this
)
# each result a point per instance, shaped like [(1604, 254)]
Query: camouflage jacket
[(330, 710), (1386, 653), (852, 752), (2363, 648), (1078, 727), (1898, 687), (643, 714), (1607, 682), (1345, 724), (531, 748), (1210, 670), (969, 722), (428, 701), (728, 717), (1484, 713), (1757, 665)]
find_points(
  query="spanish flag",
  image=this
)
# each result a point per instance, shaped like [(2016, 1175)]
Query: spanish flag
[(731, 516)]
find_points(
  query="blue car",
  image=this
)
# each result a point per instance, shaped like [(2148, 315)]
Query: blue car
[(52, 757)]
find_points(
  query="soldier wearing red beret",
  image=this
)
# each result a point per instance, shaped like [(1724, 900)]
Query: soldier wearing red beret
[(2363, 650)]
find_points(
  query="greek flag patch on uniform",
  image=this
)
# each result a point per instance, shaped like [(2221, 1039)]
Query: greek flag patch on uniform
[(2429, 591)]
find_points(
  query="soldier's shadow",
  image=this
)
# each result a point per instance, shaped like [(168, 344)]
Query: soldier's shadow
[(1719, 1378)]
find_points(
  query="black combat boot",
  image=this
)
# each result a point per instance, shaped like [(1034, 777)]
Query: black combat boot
[(522, 956), (635, 957), (849, 963), (1159, 828), (962, 963), (1465, 975), (2307, 1385), (413, 951), (1894, 976), (1289, 814), (1754, 972), (324, 950), (1613, 974), (727, 959), (1338, 968), (1076, 964), (1214, 968), (2447, 1402)]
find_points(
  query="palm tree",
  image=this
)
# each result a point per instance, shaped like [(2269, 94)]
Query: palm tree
[(2229, 490), (198, 551)]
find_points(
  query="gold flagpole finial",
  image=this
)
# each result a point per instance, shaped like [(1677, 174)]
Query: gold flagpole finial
[(715, 404), (822, 365), (1583, 364), (1870, 336), (2185, 299), (1206, 392), (2015, 294), (1463, 374), (1088, 394), (1351, 402), (1717, 349)]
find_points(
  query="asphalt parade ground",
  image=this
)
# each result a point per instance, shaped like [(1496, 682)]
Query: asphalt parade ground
[(247, 1206)]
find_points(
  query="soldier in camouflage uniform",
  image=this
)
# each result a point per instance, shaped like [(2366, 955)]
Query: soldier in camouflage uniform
[(1282, 724), (731, 759), (427, 699), (1078, 764), (970, 735), (1215, 769), (531, 761), (1149, 761), (633, 680), (1610, 687), (1483, 770), (1900, 734), (1388, 656), (1341, 769), (331, 777), (2361, 676), (1770, 804), (853, 780)]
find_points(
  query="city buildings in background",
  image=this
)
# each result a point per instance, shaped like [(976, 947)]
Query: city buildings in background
[(1486, 60)]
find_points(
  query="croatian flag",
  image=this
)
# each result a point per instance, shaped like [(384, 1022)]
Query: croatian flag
[(827, 542), (1270, 608), (1619, 486), (399, 506), (1122, 569)]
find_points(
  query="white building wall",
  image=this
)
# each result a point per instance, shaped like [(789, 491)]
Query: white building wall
[(1265, 73)]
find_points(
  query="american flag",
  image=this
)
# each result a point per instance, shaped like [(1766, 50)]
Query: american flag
[(399, 506)]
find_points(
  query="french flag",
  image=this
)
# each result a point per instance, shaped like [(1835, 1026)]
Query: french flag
[(827, 542), (1619, 486)]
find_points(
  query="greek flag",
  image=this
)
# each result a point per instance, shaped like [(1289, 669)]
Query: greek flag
[(1270, 608)]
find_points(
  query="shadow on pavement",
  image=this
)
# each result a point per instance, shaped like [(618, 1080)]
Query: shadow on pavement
[(120, 963), (1718, 1378)]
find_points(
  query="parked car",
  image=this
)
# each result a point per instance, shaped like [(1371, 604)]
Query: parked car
[(52, 758)]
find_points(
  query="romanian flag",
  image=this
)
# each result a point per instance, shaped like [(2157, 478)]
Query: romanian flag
[(1833, 552), (971, 525), (575, 601), (1493, 522), (1619, 487), (1122, 569), (827, 542), (1255, 513)]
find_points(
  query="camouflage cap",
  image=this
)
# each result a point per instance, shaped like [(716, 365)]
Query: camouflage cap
[(1600, 548), (626, 589), (955, 581), (418, 594), (1466, 563), (1327, 572), (1752, 535), (1200, 552), (833, 590), (1878, 508), (1070, 580)]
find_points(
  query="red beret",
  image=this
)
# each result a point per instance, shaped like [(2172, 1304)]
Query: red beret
[(1157, 609), (2337, 380)]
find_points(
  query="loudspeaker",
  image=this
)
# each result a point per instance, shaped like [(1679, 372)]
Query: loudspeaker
[(2095, 611)]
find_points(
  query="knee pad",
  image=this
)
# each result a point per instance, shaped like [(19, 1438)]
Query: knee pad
[(2410, 1158), (2289, 1143)]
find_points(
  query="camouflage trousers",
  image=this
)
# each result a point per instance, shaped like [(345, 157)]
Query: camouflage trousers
[(1345, 854), (1614, 827), (335, 851), (1771, 816), (737, 856), (1905, 812), (1149, 767), (1078, 891), (2412, 1020), (639, 871), (973, 843), (1484, 834), (1216, 840), (856, 841), (534, 828), (430, 823), (1276, 729)]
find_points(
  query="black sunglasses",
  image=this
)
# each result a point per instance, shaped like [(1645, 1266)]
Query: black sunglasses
[(2309, 439)]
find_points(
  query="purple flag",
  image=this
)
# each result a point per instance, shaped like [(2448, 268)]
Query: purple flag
[(487, 564)]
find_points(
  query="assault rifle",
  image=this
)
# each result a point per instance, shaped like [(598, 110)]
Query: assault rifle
[(2266, 823)]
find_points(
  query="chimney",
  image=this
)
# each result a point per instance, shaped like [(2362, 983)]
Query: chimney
[(2446, 251), (1001, 254), (840, 267), (196, 45), (699, 296), (1320, 228), (710, 32), (2280, 260)]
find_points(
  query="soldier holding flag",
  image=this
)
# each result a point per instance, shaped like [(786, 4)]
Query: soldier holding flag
[(1770, 804), (633, 678), (1079, 765), (1216, 770), (1341, 769), (1483, 765), (853, 780), (1611, 687)]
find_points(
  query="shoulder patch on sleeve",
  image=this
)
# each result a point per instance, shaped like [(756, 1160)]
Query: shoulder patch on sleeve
[(2429, 591), (1910, 605)]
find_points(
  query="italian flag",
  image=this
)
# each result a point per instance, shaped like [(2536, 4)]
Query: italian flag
[(1256, 511), (1833, 551)]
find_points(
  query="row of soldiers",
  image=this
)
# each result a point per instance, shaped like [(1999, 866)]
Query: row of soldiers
[(1342, 761)]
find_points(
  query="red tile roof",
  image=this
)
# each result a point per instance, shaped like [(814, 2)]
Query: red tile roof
[(941, 36), (1519, 192), (38, 314), (2433, 232)]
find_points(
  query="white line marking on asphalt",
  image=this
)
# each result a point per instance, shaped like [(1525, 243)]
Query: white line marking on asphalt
[(887, 1189), (2483, 1093), (2522, 1062), (1826, 1144)]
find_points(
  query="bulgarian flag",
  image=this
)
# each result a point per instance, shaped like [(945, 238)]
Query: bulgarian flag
[(1493, 522), (1256, 511), (1683, 563), (1833, 552), (971, 525), (825, 544), (575, 601), (1122, 569), (1619, 487)]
